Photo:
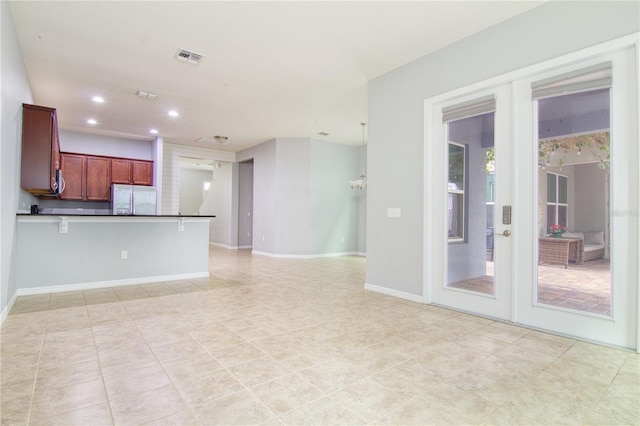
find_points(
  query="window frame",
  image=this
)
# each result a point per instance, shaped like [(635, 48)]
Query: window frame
[(557, 204), (463, 232)]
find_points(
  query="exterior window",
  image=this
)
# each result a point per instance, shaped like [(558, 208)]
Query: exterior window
[(557, 200), (456, 192)]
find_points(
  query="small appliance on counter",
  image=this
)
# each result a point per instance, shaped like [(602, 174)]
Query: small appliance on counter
[(133, 200)]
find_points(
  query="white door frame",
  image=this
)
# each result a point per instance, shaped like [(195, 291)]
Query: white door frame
[(625, 209), (624, 227), (499, 304)]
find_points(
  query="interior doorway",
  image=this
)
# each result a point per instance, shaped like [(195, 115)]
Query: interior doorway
[(245, 204), (196, 177)]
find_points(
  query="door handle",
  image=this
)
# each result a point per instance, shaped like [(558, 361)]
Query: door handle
[(505, 233)]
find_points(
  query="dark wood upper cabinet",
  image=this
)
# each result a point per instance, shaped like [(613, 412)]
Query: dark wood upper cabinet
[(142, 172), (98, 178), (86, 177), (40, 150), (89, 177), (74, 171), (120, 170)]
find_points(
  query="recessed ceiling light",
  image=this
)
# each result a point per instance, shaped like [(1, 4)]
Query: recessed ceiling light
[(92, 121), (173, 113), (154, 131), (97, 99)]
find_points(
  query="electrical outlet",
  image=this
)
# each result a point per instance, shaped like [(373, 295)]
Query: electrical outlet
[(124, 254)]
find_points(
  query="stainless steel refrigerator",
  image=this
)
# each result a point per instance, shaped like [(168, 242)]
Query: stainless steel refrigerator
[(133, 199)]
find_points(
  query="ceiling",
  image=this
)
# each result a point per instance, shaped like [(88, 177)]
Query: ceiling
[(269, 69)]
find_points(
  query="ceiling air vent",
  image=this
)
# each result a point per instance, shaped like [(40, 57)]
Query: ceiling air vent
[(146, 95), (186, 56)]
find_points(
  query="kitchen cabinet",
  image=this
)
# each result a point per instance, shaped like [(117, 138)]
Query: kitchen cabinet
[(120, 170), (40, 160), (142, 172), (98, 185), (87, 177), (132, 172), (74, 172)]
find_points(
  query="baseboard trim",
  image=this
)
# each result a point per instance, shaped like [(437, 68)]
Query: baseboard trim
[(395, 293), (103, 284), (303, 256), (228, 247), (7, 309)]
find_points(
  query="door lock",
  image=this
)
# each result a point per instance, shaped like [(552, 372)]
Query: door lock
[(506, 216), (506, 233)]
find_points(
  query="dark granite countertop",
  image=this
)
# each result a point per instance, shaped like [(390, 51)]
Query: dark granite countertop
[(112, 215)]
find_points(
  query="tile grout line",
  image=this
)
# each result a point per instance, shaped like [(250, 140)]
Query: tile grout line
[(35, 378), (104, 385)]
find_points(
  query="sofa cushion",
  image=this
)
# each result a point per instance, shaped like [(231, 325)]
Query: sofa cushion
[(573, 235), (594, 237)]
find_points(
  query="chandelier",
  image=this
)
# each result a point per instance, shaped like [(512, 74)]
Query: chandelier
[(362, 182)]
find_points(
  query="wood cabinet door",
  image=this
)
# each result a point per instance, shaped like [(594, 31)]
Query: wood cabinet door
[(55, 152), (120, 170), (98, 179), (36, 149), (73, 172), (142, 172)]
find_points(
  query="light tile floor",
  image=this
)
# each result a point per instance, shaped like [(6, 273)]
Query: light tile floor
[(290, 341)]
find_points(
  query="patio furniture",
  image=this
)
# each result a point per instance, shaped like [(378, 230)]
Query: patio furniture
[(560, 250), (593, 247)]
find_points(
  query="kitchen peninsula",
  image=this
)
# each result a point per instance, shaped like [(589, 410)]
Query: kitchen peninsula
[(75, 252)]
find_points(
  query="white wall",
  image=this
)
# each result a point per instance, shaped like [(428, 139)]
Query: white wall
[(85, 143), (302, 204), (361, 197), (89, 255), (591, 205), (171, 153), (14, 84), (191, 189), (293, 194), (333, 204), (218, 201), (397, 127)]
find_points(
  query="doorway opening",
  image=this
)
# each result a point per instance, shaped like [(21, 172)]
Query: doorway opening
[(196, 178), (245, 204)]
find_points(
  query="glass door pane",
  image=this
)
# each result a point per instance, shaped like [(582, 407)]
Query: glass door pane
[(573, 173), (471, 194)]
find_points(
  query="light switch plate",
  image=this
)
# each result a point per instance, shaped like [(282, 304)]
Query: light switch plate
[(394, 212)]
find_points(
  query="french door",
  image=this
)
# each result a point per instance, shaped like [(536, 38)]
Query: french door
[(470, 187), (509, 167)]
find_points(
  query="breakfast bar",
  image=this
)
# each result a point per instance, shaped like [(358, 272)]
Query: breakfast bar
[(74, 252)]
